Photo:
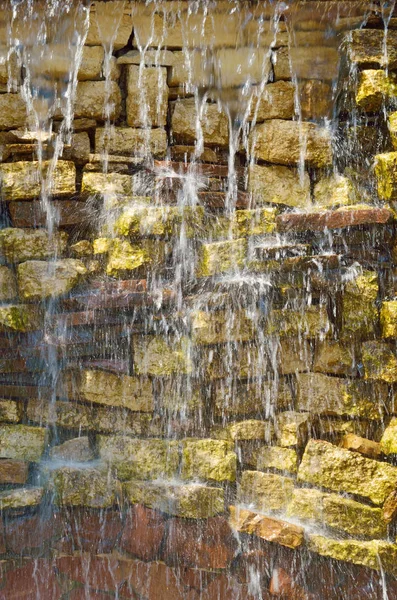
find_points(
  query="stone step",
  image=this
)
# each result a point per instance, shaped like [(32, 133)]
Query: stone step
[(334, 219)]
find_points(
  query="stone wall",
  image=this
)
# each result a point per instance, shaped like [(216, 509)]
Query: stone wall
[(197, 387)]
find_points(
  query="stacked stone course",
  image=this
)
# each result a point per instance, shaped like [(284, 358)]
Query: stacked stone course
[(235, 437)]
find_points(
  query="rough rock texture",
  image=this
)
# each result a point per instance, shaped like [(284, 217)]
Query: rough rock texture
[(214, 124), (19, 245), (278, 185), (22, 442), (93, 100), (147, 100), (337, 469), (38, 279), (21, 180), (266, 528), (265, 491), (213, 460), (84, 487), (124, 140)]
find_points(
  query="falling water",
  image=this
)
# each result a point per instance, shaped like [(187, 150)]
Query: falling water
[(197, 299)]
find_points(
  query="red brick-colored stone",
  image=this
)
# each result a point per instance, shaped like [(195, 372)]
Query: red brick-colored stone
[(226, 587), (94, 531), (143, 533), (99, 572), (154, 581), (35, 580), (83, 593), (282, 585), (31, 214), (13, 471), (206, 544), (333, 219), (26, 534)]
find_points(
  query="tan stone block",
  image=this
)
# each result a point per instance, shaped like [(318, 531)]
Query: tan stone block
[(20, 180), (265, 491), (214, 123), (266, 528), (91, 63), (147, 100), (12, 111), (125, 141), (91, 99)]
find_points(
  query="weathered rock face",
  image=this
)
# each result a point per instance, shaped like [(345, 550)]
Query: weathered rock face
[(38, 279), (337, 469), (215, 128), (124, 140), (22, 442), (19, 245), (84, 487), (21, 180), (281, 142), (375, 89), (20, 317), (278, 185), (211, 460), (147, 100), (93, 100), (265, 491), (266, 528), (8, 285)]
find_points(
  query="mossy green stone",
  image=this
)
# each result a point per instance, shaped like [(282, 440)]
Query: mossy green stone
[(221, 257), (20, 317), (20, 245), (292, 428), (388, 319), (276, 457), (375, 554), (379, 362), (112, 185), (265, 491), (21, 497), (165, 221), (337, 512), (160, 356), (221, 326), (258, 221), (141, 459), (311, 322), (386, 175), (252, 429), (359, 313), (8, 285), (188, 501), (334, 191), (101, 387), (388, 442), (208, 459), (125, 257), (38, 280), (392, 119), (91, 488), (340, 470), (375, 87), (22, 442)]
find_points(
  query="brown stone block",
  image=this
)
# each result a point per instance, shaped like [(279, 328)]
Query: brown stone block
[(80, 593), (24, 535), (226, 587), (154, 581), (99, 572), (333, 219), (34, 580), (267, 528), (143, 533), (93, 531), (31, 214), (365, 447), (282, 585), (214, 544), (13, 471)]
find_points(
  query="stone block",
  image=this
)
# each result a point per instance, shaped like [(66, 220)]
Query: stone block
[(307, 62), (292, 428), (340, 218), (38, 280), (125, 258), (321, 394), (143, 532), (215, 543), (221, 326), (275, 457), (10, 411), (160, 356), (21, 442), (375, 554), (214, 124), (392, 123), (147, 99), (80, 148), (355, 443), (252, 429), (92, 488), (19, 245), (8, 285), (190, 501), (21, 497), (265, 491), (294, 355), (386, 175), (139, 459), (340, 470), (277, 101), (266, 528), (374, 89), (13, 111), (379, 361), (388, 319), (91, 63), (334, 191), (359, 312), (259, 221), (338, 513), (101, 387), (150, 221), (127, 141), (74, 450), (122, 25), (68, 415), (221, 257), (287, 142), (21, 181), (107, 185), (13, 472), (366, 48), (94, 99), (311, 322), (277, 184), (178, 393), (208, 459), (20, 317), (335, 358), (251, 398), (388, 443)]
